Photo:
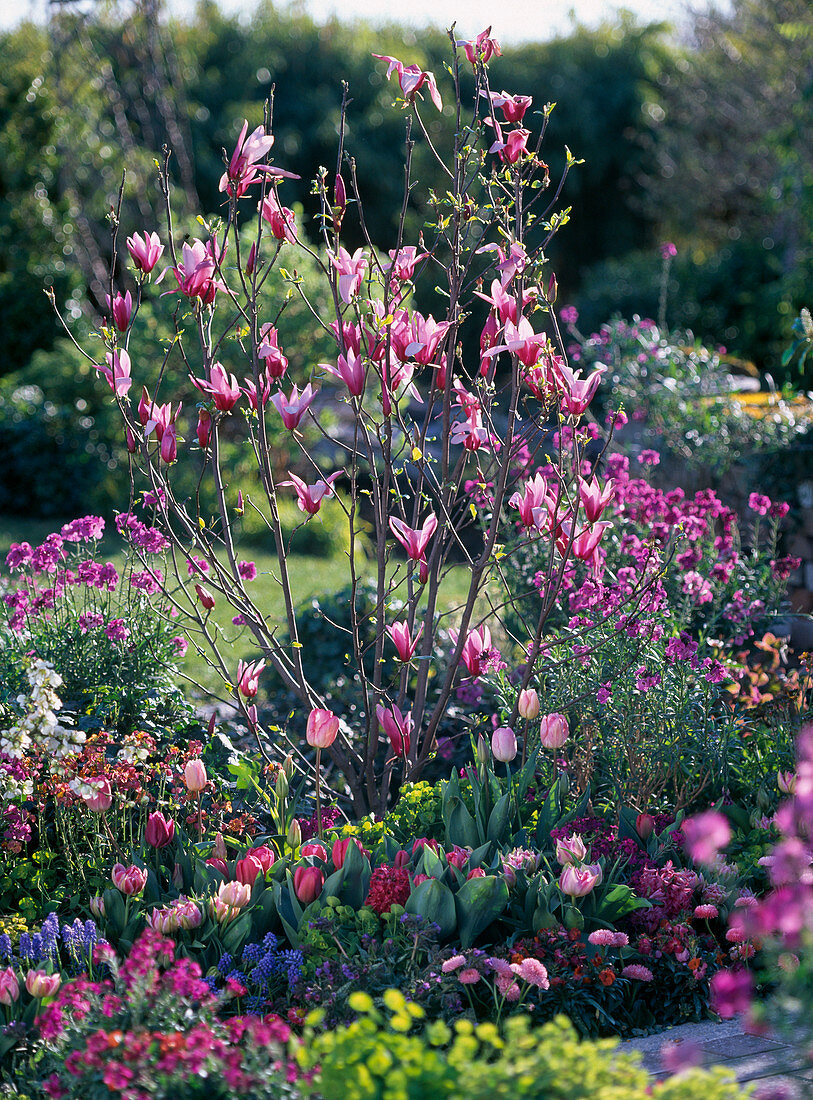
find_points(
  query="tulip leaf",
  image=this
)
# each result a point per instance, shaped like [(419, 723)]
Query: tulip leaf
[(500, 816), (435, 902), (114, 910), (430, 863), (522, 780), (479, 902), (461, 827), (236, 934), (617, 902)]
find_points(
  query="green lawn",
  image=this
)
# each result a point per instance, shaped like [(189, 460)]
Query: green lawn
[(310, 577)]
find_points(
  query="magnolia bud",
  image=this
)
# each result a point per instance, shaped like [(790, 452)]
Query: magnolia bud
[(553, 289), (239, 509), (294, 835)]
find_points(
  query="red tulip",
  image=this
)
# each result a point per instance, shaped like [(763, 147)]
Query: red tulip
[(308, 883)]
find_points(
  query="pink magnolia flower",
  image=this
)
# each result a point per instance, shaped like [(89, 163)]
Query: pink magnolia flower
[(404, 643), (243, 169), (504, 304), (397, 726), (257, 398), (222, 387), (350, 270), (553, 731), (323, 725), (413, 540), (281, 220), (594, 499), (577, 882), (117, 371), (309, 497), (504, 744), (476, 649), (513, 107), (196, 274), (535, 494), (146, 251), (403, 261), (122, 309), (511, 148), (268, 349), (350, 369), (705, 834), (129, 880), (522, 341), (293, 408), (101, 798), (248, 676), (575, 393), (411, 79), (308, 883), (482, 48), (426, 334)]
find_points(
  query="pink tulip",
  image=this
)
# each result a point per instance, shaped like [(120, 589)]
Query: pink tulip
[(159, 831), (553, 731), (218, 864), (504, 744), (350, 369), (644, 826), (786, 782), (401, 858), (221, 387), (117, 371), (102, 797), (528, 705), (577, 882), (247, 869), (411, 79), (194, 775), (96, 906), (122, 309), (398, 727), (146, 251), (9, 986), (308, 883), (40, 984), (339, 851), (314, 849), (293, 408), (323, 725), (187, 914), (309, 497), (248, 676), (265, 856), (402, 640), (476, 872), (571, 850), (164, 921), (129, 880), (235, 894)]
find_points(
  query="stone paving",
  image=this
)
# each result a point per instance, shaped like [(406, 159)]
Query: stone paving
[(771, 1065)]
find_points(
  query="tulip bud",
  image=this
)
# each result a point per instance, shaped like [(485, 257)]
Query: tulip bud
[(288, 766), (476, 872), (281, 785), (553, 731), (219, 847), (313, 848), (482, 750), (247, 869), (294, 837), (504, 744), (786, 782), (339, 851), (323, 725), (195, 775), (528, 705), (129, 880), (401, 858), (644, 826), (573, 918), (308, 883), (96, 905)]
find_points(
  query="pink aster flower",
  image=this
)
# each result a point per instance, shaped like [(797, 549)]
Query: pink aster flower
[(470, 976), (637, 972)]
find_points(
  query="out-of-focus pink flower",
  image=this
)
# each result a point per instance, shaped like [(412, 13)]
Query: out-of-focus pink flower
[(194, 775), (323, 725), (404, 643), (101, 798), (730, 992), (397, 726), (40, 984), (577, 882), (117, 371), (159, 830), (146, 251), (411, 79), (504, 744), (9, 986), (129, 880), (705, 834), (222, 387), (293, 408), (96, 906), (310, 497), (248, 676), (308, 883), (553, 731)]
